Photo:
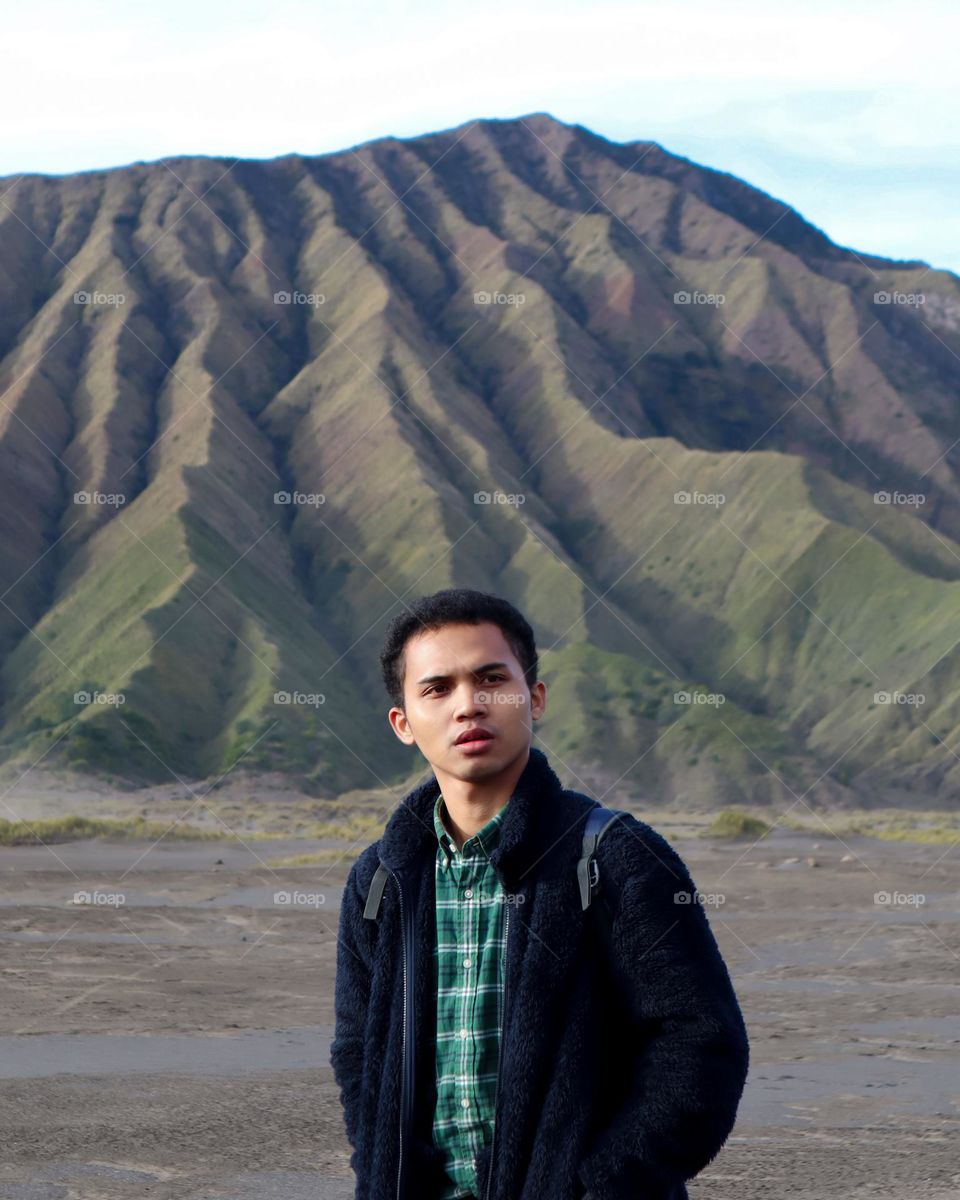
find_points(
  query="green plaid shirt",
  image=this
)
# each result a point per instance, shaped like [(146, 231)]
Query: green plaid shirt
[(468, 953)]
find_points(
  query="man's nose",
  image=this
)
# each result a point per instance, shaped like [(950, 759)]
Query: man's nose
[(471, 698)]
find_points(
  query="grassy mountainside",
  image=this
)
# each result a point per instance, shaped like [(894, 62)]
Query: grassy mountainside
[(393, 332)]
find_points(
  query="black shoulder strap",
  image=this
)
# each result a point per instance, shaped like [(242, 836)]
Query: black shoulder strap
[(375, 892), (599, 820)]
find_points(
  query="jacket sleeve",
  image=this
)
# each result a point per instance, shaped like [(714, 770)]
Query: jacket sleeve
[(352, 997), (692, 1053)]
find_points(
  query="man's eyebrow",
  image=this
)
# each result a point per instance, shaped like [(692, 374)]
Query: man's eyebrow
[(482, 670)]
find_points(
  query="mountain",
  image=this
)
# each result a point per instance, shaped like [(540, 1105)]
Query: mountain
[(650, 404)]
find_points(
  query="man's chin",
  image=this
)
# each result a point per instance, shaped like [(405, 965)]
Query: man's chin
[(480, 766), (465, 766)]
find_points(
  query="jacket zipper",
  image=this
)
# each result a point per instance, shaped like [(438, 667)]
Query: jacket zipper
[(503, 1008), (406, 1095)]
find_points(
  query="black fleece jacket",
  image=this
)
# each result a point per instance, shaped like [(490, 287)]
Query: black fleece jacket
[(618, 1078)]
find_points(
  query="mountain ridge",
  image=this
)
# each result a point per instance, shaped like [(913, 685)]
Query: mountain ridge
[(398, 397)]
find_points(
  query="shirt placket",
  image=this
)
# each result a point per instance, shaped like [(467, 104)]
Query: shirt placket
[(467, 875), (470, 910)]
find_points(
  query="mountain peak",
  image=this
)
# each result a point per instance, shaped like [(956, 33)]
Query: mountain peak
[(251, 407)]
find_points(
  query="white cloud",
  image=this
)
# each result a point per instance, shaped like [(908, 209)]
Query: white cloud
[(793, 99)]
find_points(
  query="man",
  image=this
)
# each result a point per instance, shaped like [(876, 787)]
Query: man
[(488, 1044)]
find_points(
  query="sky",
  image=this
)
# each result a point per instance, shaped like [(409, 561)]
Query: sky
[(849, 112)]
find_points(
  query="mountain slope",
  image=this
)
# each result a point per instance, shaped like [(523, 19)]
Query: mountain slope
[(493, 310)]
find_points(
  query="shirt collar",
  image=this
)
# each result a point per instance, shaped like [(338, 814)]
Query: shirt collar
[(482, 842)]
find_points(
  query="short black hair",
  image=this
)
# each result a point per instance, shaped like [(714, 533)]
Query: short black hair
[(455, 606)]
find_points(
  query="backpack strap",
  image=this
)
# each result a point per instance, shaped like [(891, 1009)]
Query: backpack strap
[(599, 820), (375, 892)]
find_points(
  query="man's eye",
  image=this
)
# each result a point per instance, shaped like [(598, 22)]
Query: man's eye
[(436, 687)]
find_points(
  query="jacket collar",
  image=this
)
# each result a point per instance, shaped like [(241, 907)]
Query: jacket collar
[(523, 832)]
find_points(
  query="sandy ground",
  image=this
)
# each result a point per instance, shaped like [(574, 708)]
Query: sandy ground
[(176, 1044)]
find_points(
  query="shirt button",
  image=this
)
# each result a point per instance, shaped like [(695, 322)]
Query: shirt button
[(469, 893), (464, 1103), (463, 1033), (468, 962)]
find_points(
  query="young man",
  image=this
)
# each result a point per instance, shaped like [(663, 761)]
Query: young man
[(488, 1043)]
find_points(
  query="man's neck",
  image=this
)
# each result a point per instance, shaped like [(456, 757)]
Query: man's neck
[(469, 804)]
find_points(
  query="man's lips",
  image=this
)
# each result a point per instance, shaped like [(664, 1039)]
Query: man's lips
[(473, 737)]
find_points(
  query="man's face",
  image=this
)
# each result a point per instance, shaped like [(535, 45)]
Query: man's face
[(461, 678)]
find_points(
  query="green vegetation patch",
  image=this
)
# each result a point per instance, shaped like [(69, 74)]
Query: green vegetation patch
[(732, 823), (75, 828)]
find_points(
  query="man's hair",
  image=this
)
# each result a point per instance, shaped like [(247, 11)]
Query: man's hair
[(455, 606)]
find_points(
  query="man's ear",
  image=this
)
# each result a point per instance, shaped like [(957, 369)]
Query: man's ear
[(401, 726)]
